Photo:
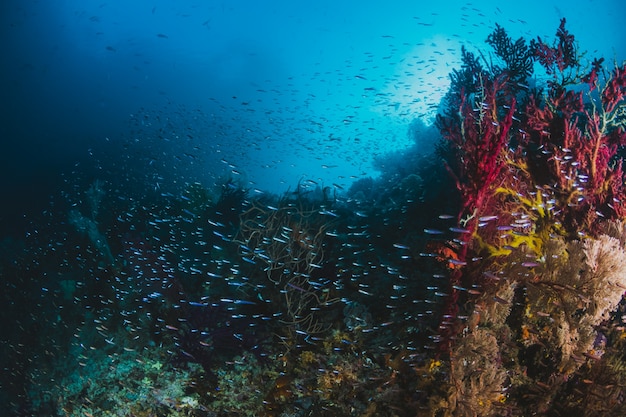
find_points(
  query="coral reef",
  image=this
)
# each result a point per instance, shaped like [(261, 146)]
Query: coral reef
[(496, 290), (541, 256)]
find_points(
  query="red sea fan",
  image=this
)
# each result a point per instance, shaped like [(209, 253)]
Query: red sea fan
[(614, 94), (478, 139), (559, 57)]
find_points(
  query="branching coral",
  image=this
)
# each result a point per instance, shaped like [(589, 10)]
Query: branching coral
[(288, 241), (573, 149), (559, 57), (517, 56), (477, 135), (478, 138)]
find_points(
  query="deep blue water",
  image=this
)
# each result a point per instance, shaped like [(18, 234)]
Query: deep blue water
[(149, 97)]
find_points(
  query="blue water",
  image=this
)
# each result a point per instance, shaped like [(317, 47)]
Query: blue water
[(145, 99), (275, 92)]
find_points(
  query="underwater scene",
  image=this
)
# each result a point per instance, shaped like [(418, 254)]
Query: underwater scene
[(424, 214)]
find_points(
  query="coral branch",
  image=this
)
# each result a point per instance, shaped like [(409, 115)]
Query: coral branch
[(479, 135)]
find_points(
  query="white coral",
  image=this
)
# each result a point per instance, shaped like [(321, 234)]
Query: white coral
[(606, 259), (581, 283)]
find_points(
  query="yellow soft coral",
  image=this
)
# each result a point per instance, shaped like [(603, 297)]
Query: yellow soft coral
[(535, 214)]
